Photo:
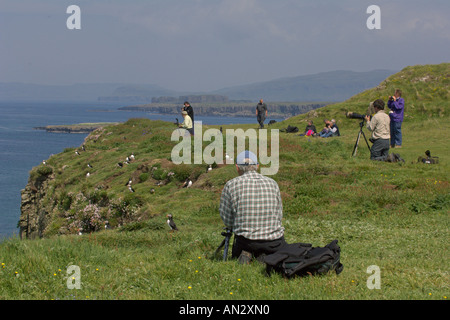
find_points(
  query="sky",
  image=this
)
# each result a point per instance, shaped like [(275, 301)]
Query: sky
[(204, 45)]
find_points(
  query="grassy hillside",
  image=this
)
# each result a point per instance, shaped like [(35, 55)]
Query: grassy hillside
[(393, 215)]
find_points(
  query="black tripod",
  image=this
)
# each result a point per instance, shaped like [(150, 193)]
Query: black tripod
[(355, 148), (225, 242)]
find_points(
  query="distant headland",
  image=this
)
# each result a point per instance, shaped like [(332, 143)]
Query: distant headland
[(75, 128)]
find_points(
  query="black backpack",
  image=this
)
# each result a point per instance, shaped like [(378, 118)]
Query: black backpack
[(300, 259), (290, 129)]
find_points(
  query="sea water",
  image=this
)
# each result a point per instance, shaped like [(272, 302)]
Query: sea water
[(22, 147)]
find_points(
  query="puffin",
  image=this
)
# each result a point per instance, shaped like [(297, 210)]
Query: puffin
[(152, 191), (130, 181), (171, 224), (209, 168), (130, 188), (120, 164), (77, 153), (89, 165), (88, 175), (132, 156), (187, 183)]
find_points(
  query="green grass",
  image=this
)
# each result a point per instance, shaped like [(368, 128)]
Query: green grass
[(393, 215)]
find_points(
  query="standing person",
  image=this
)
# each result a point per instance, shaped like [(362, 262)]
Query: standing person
[(261, 113), (251, 206), (188, 108), (397, 105), (379, 125)]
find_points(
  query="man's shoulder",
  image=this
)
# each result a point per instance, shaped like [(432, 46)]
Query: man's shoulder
[(381, 114)]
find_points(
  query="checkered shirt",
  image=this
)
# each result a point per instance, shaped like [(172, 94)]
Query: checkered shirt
[(251, 204)]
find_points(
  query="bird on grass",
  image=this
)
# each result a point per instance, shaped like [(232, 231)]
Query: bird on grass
[(209, 168), (187, 183), (77, 153), (171, 223), (89, 165), (120, 164), (130, 188), (88, 175), (132, 156)]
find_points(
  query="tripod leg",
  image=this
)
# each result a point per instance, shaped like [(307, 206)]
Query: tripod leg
[(225, 250), (366, 140), (220, 247), (355, 148)]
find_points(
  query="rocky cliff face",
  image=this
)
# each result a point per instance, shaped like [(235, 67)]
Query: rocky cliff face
[(33, 217)]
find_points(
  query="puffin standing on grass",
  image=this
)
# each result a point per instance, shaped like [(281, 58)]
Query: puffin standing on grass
[(187, 183), (171, 224)]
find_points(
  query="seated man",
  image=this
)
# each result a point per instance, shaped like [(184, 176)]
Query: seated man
[(379, 125), (251, 206), (187, 123)]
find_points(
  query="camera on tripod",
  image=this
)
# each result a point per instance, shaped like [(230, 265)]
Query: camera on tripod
[(354, 115), (362, 117)]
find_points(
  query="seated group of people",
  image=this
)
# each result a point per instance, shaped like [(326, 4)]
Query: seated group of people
[(330, 130)]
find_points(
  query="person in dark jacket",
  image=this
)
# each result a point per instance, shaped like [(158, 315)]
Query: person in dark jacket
[(261, 113), (309, 130), (188, 108)]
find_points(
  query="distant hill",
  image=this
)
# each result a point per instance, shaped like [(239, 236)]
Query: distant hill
[(137, 93), (81, 92), (325, 86)]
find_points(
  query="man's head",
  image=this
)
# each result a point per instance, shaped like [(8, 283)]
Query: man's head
[(261, 101), (246, 161), (398, 93), (378, 105), (186, 104)]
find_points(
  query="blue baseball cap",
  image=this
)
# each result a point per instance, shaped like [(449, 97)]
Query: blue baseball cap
[(246, 157)]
